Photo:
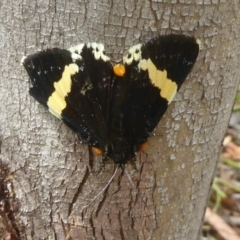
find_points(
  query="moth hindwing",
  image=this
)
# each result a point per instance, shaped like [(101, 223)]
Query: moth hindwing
[(112, 108)]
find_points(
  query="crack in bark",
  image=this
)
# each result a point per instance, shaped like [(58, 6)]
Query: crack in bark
[(121, 226), (51, 216), (91, 221), (79, 190), (102, 234), (101, 203)]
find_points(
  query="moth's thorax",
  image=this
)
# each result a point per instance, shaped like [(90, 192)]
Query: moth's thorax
[(120, 150)]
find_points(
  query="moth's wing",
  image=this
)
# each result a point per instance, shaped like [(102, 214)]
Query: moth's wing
[(155, 72), (73, 85)]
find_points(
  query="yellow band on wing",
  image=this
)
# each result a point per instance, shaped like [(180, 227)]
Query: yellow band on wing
[(56, 102), (168, 88)]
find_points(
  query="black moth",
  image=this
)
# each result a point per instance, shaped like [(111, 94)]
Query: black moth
[(112, 108)]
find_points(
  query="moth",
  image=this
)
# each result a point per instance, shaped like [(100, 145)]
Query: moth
[(112, 107)]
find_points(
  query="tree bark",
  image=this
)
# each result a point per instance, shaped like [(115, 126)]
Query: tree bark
[(47, 176)]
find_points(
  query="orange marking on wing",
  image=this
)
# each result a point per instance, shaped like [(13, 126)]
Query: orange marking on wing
[(97, 150), (143, 146)]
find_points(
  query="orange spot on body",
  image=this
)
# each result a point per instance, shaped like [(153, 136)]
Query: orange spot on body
[(119, 70), (97, 150)]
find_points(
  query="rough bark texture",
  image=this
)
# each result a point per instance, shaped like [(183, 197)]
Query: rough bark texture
[(51, 177)]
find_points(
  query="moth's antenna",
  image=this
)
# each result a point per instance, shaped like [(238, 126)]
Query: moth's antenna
[(110, 180), (134, 187)]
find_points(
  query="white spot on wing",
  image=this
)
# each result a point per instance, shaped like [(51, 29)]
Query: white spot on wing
[(198, 41), (23, 59), (134, 54), (98, 51), (76, 57), (76, 52), (77, 49), (86, 88)]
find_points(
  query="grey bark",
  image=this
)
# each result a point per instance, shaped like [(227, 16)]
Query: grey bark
[(49, 177)]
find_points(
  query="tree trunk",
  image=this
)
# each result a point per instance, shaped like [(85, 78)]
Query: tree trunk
[(47, 176)]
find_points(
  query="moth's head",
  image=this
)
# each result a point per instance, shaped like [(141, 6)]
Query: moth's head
[(120, 150)]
